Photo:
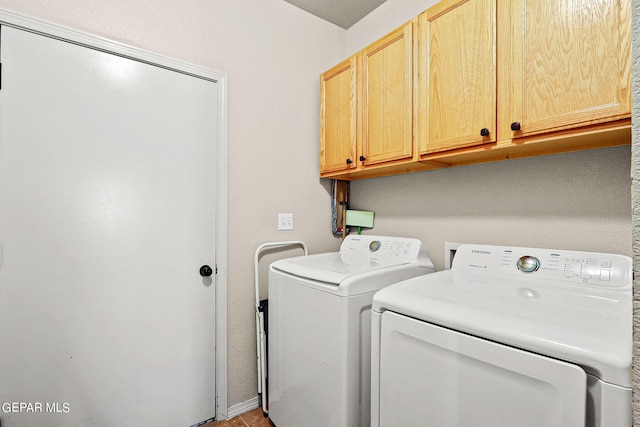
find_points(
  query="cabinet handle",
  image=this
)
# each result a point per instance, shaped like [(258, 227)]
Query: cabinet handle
[(363, 158), (484, 132), (349, 161), (515, 126)]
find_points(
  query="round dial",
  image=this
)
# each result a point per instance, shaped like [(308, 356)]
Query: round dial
[(528, 264), (374, 246)]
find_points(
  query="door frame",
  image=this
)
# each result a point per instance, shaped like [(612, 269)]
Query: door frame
[(47, 29)]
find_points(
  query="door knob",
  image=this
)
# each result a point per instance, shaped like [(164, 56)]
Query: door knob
[(515, 126), (484, 132), (349, 161), (363, 158), (206, 271)]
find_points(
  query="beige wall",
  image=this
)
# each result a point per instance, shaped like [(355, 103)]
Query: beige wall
[(578, 201), (387, 17), (272, 54)]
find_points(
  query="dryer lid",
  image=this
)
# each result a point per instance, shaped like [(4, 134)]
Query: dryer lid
[(589, 324), (333, 267)]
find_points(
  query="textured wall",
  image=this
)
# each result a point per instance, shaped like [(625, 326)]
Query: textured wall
[(635, 197), (387, 17), (577, 201)]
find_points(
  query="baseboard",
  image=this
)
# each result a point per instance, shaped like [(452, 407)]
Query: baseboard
[(243, 407)]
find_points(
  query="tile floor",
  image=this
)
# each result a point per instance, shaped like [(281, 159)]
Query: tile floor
[(253, 418)]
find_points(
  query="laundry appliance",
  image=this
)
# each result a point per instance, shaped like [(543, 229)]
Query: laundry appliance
[(509, 337), (319, 331)]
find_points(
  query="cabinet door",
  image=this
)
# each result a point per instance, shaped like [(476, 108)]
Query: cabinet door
[(457, 75), (387, 107), (338, 119), (563, 64)]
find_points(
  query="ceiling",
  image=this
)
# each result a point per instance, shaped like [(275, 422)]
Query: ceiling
[(343, 13)]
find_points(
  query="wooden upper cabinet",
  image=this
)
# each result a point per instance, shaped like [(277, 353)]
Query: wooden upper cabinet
[(387, 98), (470, 81), (338, 117), (563, 64), (457, 75)]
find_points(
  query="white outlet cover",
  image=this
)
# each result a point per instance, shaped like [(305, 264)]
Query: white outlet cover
[(285, 221)]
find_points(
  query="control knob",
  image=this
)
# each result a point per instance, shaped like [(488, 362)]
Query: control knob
[(528, 264)]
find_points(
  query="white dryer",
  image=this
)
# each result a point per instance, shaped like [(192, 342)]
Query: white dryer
[(509, 337), (319, 328)]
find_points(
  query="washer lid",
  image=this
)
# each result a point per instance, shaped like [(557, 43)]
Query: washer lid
[(587, 326), (333, 267)]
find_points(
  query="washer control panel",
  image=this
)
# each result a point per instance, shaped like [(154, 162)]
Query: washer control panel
[(382, 246), (586, 268)]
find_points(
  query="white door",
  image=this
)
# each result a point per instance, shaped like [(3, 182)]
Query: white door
[(107, 213), (440, 377)]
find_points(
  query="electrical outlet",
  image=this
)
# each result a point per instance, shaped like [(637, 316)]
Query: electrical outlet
[(285, 221)]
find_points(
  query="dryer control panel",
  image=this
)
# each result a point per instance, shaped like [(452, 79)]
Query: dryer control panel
[(586, 268)]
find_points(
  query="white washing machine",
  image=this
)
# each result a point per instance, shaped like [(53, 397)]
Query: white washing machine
[(509, 337), (319, 337)]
